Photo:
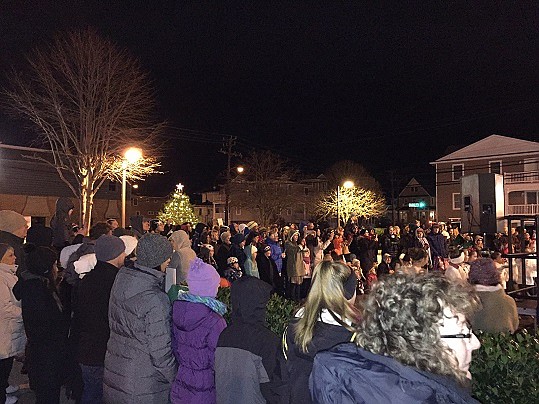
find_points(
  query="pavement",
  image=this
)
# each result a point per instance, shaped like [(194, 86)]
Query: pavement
[(25, 395)]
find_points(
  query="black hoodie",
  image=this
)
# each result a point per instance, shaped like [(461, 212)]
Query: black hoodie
[(60, 222), (247, 341)]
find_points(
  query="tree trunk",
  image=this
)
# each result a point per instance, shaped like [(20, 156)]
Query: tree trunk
[(87, 202)]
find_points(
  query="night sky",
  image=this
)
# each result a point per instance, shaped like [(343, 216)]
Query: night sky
[(392, 87)]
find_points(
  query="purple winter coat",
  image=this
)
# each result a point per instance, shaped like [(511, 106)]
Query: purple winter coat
[(195, 332)]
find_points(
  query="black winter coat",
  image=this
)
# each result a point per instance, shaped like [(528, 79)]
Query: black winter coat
[(267, 270), (46, 327), (91, 314), (348, 374)]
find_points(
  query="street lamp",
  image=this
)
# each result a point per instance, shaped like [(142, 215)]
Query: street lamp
[(347, 184), (239, 170), (131, 156)]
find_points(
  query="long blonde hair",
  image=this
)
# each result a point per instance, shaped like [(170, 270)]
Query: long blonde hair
[(327, 292)]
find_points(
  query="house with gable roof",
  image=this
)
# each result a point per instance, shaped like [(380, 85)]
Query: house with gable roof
[(516, 159), (415, 202)]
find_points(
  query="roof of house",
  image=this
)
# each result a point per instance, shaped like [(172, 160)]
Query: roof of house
[(492, 146), (406, 191)]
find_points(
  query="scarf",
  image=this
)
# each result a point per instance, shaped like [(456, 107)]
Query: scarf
[(213, 304)]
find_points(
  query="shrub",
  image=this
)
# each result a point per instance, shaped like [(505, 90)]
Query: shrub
[(505, 368), (280, 310)]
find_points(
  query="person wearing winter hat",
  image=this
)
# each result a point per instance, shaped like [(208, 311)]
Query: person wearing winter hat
[(13, 230), (12, 336), (197, 323), (130, 246), (499, 311), (91, 320), (45, 322), (238, 242), (183, 254), (455, 269), (141, 367), (233, 270), (268, 269)]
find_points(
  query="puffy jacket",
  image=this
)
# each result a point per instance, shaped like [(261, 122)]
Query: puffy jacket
[(196, 329), (348, 374), (12, 336), (276, 253), (139, 364), (183, 255)]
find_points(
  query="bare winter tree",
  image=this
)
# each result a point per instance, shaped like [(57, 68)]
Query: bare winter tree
[(90, 100), (349, 202), (263, 185), (347, 170)]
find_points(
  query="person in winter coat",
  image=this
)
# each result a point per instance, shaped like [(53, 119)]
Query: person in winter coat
[(438, 247), (365, 246), (499, 311), (61, 223), (295, 268), (247, 340), (183, 254), (233, 270), (13, 230), (45, 323), (12, 336), (414, 345), (223, 252), (238, 242), (268, 270), (420, 241), (91, 315), (251, 251), (139, 364), (139, 225), (197, 323), (327, 319)]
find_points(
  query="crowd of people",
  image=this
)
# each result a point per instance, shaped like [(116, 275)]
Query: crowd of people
[(92, 312)]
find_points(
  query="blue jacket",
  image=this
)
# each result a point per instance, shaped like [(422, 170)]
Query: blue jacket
[(348, 374), (276, 253), (438, 245)]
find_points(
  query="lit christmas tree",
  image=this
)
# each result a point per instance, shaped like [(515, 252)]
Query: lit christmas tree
[(178, 208)]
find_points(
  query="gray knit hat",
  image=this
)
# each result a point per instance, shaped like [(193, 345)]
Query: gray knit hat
[(152, 250), (108, 247)]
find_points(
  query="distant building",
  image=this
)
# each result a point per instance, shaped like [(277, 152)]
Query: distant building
[(516, 159), (416, 203), (303, 192), (147, 206), (31, 187)]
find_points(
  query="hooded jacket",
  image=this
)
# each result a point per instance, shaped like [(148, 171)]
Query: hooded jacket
[(276, 253), (60, 223), (139, 364), (348, 374), (299, 364), (12, 336), (136, 225), (247, 341), (183, 255), (268, 271), (195, 331), (17, 244)]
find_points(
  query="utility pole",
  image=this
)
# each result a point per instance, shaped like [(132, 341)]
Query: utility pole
[(228, 144)]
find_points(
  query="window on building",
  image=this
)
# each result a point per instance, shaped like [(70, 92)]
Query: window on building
[(134, 202), (112, 186), (306, 190), (515, 198), (531, 198), (288, 212), (137, 213), (289, 189), (458, 171), (238, 210), (217, 210), (495, 167), (456, 201), (156, 201), (151, 213)]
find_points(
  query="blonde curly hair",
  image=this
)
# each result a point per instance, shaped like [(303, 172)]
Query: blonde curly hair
[(402, 315)]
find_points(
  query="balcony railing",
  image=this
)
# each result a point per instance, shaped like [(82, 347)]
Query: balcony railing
[(523, 209), (521, 177)]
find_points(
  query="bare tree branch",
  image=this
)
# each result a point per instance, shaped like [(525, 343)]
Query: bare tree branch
[(90, 100)]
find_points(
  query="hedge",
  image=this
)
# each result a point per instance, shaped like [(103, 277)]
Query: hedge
[(505, 369)]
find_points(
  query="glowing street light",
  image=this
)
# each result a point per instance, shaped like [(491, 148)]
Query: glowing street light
[(131, 156), (240, 169), (347, 184)]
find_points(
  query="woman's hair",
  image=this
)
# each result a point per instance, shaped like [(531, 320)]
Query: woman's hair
[(250, 237), (402, 316), (417, 253), (327, 292)]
